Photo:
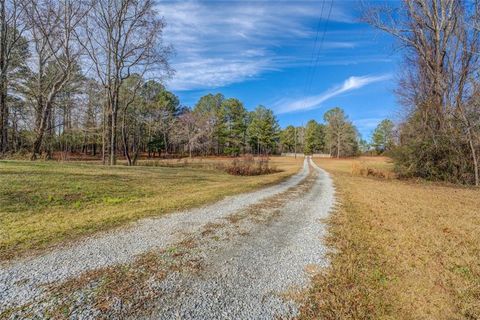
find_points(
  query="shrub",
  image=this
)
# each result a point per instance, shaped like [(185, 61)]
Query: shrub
[(361, 169), (248, 166)]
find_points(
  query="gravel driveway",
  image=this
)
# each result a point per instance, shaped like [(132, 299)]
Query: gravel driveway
[(252, 253)]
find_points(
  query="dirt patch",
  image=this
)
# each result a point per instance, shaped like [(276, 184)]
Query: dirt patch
[(210, 228)]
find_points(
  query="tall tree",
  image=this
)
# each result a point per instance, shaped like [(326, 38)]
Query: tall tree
[(13, 54), (342, 136), (314, 137), (132, 125), (235, 117), (168, 108), (288, 139), (211, 108), (263, 130), (383, 136), (122, 37), (193, 130), (52, 25), (440, 78), (91, 121)]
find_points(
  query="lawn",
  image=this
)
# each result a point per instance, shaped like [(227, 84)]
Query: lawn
[(402, 249), (46, 203)]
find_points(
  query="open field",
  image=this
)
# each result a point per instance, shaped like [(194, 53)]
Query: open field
[(402, 249), (45, 203)]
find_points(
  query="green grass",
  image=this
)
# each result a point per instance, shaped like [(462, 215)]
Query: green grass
[(45, 203)]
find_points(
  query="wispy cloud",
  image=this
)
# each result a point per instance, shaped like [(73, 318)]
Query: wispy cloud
[(219, 43), (216, 72), (312, 102)]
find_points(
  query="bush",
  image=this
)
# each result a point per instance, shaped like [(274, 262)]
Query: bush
[(361, 169), (248, 166)]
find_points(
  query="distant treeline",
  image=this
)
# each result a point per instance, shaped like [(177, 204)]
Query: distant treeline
[(153, 122)]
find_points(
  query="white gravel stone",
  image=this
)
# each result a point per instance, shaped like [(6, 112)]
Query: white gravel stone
[(247, 267), (23, 281), (246, 277)]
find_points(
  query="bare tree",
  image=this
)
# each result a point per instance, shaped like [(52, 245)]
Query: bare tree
[(441, 72), (132, 119), (122, 37), (93, 102), (193, 130), (340, 133), (56, 53)]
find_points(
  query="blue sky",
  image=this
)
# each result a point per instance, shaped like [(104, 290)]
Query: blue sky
[(299, 58)]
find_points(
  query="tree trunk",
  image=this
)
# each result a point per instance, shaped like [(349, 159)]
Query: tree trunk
[(165, 143), (136, 148), (3, 118), (14, 134), (113, 135), (42, 122), (475, 160), (3, 80), (104, 133), (338, 146), (125, 140)]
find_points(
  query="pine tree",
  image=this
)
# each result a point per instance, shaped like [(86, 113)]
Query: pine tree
[(263, 130)]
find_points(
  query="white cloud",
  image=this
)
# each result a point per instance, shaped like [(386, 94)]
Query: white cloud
[(220, 43), (216, 72), (312, 102)]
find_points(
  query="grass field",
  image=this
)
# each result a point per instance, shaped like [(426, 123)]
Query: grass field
[(402, 249), (45, 203)]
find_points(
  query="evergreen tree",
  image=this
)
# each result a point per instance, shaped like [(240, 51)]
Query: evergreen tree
[(263, 130), (383, 136), (287, 139), (314, 137), (235, 119)]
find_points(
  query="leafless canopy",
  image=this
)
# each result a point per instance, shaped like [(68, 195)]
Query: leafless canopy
[(440, 80), (121, 38)]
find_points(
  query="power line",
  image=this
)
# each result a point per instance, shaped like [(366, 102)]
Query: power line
[(320, 49), (312, 56)]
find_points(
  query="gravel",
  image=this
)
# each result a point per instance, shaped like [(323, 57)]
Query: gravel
[(251, 267), (24, 280), (251, 276)]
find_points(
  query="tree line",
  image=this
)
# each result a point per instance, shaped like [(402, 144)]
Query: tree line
[(85, 76), (337, 136)]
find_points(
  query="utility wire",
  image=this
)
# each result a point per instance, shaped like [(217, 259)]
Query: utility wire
[(319, 50), (311, 61)]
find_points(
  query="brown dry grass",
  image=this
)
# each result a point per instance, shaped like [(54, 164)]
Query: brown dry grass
[(402, 250)]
